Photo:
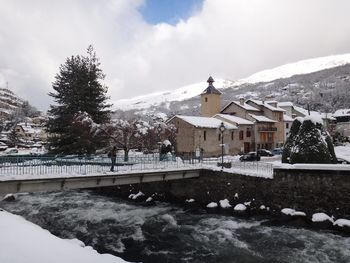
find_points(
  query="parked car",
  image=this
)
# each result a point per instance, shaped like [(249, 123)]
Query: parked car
[(277, 151), (251, 156), (264, 152)]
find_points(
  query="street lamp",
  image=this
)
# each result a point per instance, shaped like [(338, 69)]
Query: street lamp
[(222, 128), (159, 130)]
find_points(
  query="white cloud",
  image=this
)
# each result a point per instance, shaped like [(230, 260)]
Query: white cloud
[(227, 38)]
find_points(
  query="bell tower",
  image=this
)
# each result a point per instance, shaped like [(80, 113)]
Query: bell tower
[(210, 100)]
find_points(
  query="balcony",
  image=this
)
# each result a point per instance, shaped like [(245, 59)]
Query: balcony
[(267, 129)]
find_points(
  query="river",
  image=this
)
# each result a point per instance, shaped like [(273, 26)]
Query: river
[(167, 233)]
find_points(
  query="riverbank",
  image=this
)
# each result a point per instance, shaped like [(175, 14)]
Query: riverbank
[(22, 241), (162, 232), (313, 201)]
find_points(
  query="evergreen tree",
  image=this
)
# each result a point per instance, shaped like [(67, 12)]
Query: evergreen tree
[(294, 129), (13, 137), (310, 145), (77, 88)]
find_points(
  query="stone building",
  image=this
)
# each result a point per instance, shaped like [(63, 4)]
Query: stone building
[(243, 137), (271, 111), (201, 134)]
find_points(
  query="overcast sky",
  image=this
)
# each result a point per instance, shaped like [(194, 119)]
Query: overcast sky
[(141, 54)]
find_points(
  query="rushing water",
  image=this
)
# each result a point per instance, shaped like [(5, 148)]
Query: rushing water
[(165, 233)]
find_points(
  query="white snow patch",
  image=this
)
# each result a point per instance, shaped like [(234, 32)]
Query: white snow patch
[(224, 203), (315, 119), (240, 207), (22, 241), (321, 217), (262, 207), (342, 222), (138, 195), (149, 199), (212, 205), (292, 212), (190, 200)]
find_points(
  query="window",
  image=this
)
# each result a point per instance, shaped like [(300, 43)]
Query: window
[(232, 136), (241, 135), (287, 125), (258, 146), (269, 137), (219, 138), (206, 99), (248, 133), (205, 135)]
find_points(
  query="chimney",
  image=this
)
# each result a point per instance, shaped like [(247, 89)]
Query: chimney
[(241, 101)]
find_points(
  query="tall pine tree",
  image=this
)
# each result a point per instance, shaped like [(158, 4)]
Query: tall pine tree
[(77, 88)]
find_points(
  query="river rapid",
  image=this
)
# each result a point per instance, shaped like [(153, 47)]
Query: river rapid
[(166, 233)]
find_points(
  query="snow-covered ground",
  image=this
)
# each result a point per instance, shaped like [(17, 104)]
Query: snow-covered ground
[(24, 242), (343, 152)]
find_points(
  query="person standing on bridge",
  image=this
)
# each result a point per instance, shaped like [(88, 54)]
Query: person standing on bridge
[(113, 155)]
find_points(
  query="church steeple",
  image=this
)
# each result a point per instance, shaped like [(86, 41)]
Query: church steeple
[(210, 100), (211, 89)]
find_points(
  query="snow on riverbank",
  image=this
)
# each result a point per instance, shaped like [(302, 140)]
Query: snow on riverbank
[(24, 242)]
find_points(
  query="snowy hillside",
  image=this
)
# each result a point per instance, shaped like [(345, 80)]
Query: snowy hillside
[(154, 99), (8, 100), (184, 93), (297, 68)]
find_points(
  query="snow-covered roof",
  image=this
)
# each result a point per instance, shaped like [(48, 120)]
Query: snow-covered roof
[(266, 105), (246, 106), (342, 113), (315, 114), (235, 119), (287, 118), (285, 104), (205, 122), (261, 118)]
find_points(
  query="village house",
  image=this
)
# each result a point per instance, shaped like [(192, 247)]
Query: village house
[(342, 117), (243, 137), (201, 134)]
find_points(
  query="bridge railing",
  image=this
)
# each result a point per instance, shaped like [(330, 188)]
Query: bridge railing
[(82, 165), (232, 164)]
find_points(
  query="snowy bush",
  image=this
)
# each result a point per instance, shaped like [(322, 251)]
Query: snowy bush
[(308, 143)]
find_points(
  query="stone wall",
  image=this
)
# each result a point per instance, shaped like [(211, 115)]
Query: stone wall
[(304, 190)]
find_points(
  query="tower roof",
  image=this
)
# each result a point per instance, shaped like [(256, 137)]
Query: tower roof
[(211, 89)]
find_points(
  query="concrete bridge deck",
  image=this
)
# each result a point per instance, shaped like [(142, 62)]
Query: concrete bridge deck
[(92, 181)]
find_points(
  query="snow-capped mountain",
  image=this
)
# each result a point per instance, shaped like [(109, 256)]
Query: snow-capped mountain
[(154, 99), (268, 81), (297, 68)]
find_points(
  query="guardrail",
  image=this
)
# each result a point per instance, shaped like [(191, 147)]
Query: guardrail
[(82, 165), (256, 168)]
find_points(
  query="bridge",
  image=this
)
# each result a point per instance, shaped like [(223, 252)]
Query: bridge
[(92, 181), (50, 173)]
